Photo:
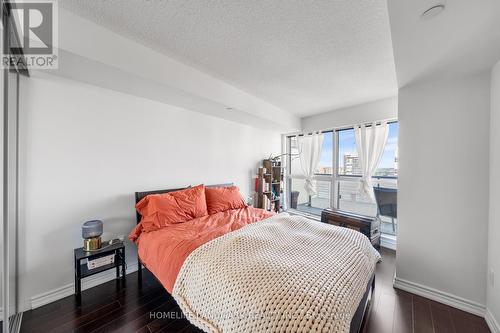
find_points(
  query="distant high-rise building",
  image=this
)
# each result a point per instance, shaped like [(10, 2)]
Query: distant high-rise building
[(351, 165), (325, 170)]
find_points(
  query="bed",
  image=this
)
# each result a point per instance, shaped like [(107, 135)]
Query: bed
[(186, 259)]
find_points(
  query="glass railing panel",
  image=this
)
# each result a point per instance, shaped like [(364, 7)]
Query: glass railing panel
[(352, 200), (299, 199)]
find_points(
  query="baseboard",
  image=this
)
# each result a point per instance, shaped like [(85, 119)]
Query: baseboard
[(491, 321), (440, 296), (388, 242), (69, 289)]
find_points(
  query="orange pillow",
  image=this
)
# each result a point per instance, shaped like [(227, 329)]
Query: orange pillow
[(159, 210), (220, 199)]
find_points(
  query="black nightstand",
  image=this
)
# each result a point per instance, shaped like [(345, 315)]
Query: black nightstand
[(82, 271)]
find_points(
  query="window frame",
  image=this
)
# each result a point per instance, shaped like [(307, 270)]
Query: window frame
[(334, 178)]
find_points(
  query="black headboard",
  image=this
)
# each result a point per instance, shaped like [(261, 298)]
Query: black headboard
[(140, 195)]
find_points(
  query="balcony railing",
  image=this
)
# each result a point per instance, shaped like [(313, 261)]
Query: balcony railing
[(346, 196)]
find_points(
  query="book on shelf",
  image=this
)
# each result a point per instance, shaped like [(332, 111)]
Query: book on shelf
[(266, 203), (256, 200)]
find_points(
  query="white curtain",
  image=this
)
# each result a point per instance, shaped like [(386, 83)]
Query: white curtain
[(370, 144), (309, 156)]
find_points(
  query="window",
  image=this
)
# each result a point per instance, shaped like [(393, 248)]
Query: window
[(326, 159), (339, 186), (299, 199), (325, 166), (347, 154), (294, 159), (388, 166)]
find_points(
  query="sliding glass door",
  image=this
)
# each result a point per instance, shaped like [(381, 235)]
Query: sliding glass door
[(349, 198), (300, 200), (10, 185), (10, 177)]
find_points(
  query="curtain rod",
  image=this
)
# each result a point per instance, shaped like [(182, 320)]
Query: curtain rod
[(342, 128)]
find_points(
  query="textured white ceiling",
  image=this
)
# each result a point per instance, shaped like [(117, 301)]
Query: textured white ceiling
[(305, 57), (463, 39)]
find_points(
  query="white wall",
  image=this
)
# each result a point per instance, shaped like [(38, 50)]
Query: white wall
[(443, 187), (86, 150), (362, 113), (493, 286)]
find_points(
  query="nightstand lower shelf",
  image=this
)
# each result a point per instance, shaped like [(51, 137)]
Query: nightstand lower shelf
[(82, 271)]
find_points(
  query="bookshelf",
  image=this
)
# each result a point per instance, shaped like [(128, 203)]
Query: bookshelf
[(269, 185)]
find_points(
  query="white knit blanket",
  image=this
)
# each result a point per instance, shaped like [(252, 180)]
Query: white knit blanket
[(283, 274)]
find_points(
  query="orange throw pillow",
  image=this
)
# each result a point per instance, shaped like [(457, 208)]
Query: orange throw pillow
[(159, 210), (220, 199)]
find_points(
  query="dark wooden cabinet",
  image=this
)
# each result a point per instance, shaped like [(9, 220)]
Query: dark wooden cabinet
[(369, 226)]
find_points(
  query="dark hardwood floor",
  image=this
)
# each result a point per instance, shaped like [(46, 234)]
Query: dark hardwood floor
[(397, 311), (108, 308)]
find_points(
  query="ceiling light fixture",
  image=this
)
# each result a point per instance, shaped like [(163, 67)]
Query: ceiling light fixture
[(432, 12)]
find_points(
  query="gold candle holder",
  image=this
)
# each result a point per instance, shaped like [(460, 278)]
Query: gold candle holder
[(92, 244)]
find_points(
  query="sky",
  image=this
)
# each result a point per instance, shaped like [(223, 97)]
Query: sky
[(347, 145)]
